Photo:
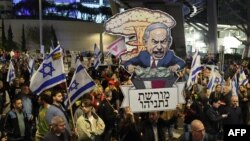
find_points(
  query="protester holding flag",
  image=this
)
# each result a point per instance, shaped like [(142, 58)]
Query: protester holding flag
[(109, 115)]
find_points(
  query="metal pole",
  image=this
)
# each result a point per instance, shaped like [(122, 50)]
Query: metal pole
[(212, 26), (40, 23)]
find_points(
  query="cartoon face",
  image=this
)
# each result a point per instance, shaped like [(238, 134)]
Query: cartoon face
[(157, 44)]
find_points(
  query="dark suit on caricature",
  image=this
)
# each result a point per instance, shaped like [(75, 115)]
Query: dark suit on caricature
[(144, 60)]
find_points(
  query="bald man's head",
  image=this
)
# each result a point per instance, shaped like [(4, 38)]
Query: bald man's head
[(196, 125), (198, 130), (234, 101)]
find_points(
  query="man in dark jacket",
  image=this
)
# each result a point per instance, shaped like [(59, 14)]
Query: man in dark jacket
[(197, 132), (109, 115), (16, 125), (213, 119), (152, 129), (129, 126)]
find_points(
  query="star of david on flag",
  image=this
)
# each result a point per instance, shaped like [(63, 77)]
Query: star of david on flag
[(50, 73), (214, 79), (47, 69), (80, 84), (11, 73), (73, 86)]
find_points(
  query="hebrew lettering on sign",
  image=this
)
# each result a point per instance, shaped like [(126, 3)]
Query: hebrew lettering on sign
[(153, 99), (146, 99)]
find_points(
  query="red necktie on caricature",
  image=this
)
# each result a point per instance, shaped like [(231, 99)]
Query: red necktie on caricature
[(153, 65)]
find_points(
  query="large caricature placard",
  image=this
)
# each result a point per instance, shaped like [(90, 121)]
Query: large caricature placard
[(153, 62), (132, 23)]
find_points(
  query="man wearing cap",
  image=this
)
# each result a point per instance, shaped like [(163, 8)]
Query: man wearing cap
[(157, 40)]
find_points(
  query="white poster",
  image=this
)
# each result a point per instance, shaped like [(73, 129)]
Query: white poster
[(180, 89), (145, 100), (125, 90)]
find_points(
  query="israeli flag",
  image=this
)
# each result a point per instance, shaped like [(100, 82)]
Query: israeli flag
[(31, 67), (80, 84), (234, 85), (97, 56), (11, 73), (50, 73), (196, 68), (215, 79), (242, 78)]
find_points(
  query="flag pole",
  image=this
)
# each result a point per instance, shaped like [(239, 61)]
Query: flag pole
[(70, 106)]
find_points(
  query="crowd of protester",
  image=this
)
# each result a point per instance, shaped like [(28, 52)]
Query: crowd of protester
[(97, 115)]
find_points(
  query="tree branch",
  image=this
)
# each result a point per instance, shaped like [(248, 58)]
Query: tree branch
[(241, 4), (196, 25), (236, 14), (243, 41), (242, 27)]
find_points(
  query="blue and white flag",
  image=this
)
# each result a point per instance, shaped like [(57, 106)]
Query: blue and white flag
[(50, 73), (234, 85), (214, 79), (80, 84), (97, 56), (51, 49), (196, 68), (31, 67), (242, 78), (11, 73)]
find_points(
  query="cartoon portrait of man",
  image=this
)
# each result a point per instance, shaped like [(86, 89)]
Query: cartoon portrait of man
[(157, 40)]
